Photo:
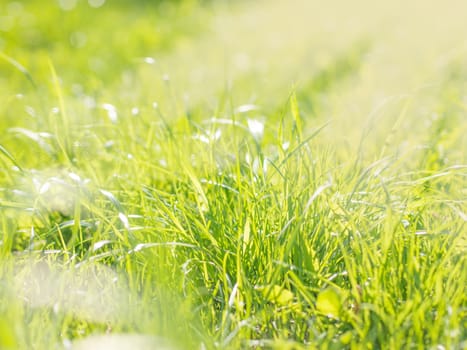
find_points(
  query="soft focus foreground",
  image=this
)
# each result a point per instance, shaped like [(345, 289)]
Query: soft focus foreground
[(185, 175)]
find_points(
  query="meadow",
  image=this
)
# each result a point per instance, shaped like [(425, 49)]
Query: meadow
[(233, 174)]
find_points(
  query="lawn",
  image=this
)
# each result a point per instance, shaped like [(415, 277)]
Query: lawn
[(233, 174)]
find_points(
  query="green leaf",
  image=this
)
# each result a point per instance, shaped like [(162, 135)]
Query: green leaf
[(346, 338), (246, 234), (277, 294), (10, 157), (19, 67), (329, 302), (296, 114)]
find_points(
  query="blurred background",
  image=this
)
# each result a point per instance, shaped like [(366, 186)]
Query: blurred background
[(348, 62)]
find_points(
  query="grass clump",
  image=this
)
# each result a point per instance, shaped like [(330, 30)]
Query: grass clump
[(180, 202)]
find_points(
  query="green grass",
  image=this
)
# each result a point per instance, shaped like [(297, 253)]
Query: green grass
[(275, 175)]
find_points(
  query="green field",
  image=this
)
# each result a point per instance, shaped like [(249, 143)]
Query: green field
[(284, 174)]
